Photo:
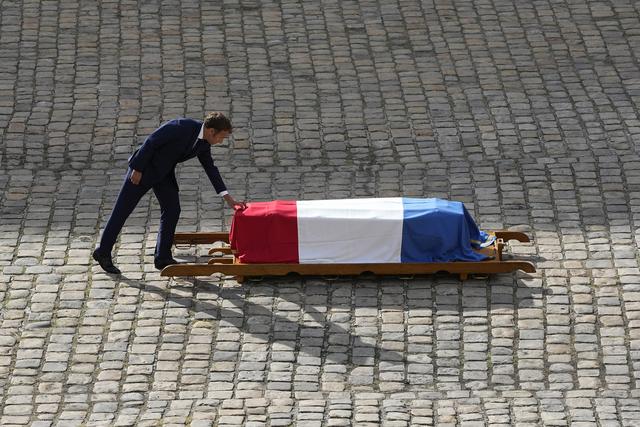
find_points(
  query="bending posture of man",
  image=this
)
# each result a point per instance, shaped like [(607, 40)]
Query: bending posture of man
[(153, 166)]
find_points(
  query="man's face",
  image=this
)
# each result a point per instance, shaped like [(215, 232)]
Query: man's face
[(213, 137)]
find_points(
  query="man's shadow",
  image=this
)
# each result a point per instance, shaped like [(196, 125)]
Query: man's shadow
[(349, 348), (287, 329)]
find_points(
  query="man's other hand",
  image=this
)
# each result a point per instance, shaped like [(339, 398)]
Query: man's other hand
[(237, 206), (240, 206), (136, 176)]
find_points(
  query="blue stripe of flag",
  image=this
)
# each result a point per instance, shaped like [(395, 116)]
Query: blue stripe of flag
[(435, 230)]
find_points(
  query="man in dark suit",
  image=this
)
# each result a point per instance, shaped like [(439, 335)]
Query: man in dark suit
[(152, 166)]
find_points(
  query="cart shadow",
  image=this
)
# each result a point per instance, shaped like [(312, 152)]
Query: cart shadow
[(337, 343), (287, 329)]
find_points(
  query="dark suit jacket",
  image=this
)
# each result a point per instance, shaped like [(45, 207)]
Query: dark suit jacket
[(170, 144)]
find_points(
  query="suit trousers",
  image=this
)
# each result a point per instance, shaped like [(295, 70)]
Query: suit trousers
[(166, 192)]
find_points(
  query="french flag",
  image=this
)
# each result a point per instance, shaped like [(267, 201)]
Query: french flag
[(373, 230)]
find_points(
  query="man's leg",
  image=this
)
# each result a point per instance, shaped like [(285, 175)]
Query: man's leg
[(167, 193), (130, 195)]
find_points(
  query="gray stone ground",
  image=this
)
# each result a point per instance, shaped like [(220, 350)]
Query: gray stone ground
[(527, 111)]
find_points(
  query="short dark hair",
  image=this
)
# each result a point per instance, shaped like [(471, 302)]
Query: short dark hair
[(218, 121)]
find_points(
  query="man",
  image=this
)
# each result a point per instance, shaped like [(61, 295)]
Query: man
[(153, 166)]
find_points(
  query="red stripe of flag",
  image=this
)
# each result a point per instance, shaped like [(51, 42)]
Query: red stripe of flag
[(266, 232)]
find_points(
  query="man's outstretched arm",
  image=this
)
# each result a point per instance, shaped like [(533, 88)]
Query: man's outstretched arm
[(216, 180)]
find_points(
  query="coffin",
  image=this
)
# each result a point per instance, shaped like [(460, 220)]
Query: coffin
[(351, 231)]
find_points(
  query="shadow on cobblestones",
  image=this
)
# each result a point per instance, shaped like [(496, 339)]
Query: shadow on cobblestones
[(444, 293), (236, 295)]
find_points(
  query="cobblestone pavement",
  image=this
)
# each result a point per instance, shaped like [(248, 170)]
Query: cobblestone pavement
[(527, 111)]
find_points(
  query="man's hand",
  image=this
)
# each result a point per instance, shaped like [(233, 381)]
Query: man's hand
[(233, 204), (136, 176)]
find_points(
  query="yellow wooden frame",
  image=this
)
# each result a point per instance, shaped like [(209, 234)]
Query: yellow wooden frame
[(229, 265)]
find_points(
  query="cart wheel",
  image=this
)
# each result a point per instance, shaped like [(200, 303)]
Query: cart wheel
[(464, 276), (292, 276), (480, 276), (367, 275)]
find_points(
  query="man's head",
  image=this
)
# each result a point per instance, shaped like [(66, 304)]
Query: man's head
[(216, 128)]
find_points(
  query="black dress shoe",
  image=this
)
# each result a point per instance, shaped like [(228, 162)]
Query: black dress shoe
[(105, 262), (162, 263)]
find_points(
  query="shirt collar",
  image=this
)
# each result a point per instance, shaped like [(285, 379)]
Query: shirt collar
[(201, 134)]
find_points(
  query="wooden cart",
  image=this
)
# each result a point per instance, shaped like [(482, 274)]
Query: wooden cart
[(226, 263)]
